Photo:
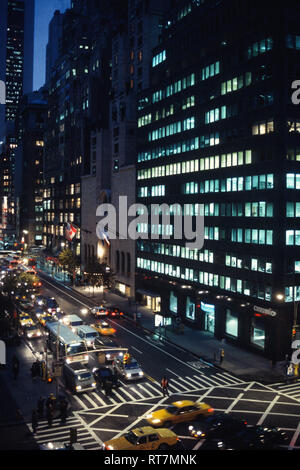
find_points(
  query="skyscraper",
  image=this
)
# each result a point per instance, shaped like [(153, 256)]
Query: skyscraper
[(16, 54), (16, 70), (218, 135)]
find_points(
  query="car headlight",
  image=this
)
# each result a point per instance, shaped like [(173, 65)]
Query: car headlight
[(68, 361), (84, 311), (156, 420), (149, 416), (141, 373), (29, 335), (49, 310), (94, 384), (58, 309), (191, 428), (128, 374), (108, 356), (78, 387), (86, 357)]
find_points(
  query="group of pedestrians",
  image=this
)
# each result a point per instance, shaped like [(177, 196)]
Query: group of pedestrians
[(47, 408)]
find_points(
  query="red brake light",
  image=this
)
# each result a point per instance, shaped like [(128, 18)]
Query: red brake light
[(121, 313), (210, 410)]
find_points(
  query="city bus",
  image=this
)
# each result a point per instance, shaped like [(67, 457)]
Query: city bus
[(69, 345)]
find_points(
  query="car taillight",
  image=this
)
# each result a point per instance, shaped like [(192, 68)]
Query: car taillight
[(121, 313), (210, 410)]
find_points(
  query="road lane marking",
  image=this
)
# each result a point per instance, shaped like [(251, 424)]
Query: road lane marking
[(81, 403), (90, 400), (140, 352), (128, 331), (295, 437), (273, 402), (96, 396), (147, 391), (150, 378)]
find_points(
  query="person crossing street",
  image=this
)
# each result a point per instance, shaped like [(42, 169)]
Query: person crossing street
[(164, 386)]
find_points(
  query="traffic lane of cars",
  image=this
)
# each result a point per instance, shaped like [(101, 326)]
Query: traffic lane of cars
[(158, 358)]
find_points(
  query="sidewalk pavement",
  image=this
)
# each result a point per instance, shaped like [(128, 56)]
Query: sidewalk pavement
[(237, 361), (24, 390)]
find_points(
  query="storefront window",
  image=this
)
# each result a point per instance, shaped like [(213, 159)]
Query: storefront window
[(258, 335), (209, 317), (190, 309), (231, 323), (173, 302)]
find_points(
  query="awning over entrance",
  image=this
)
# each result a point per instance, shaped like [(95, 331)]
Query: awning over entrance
[(147, 293)]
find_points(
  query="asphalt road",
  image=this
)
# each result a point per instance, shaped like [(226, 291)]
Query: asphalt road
[(99, 418)]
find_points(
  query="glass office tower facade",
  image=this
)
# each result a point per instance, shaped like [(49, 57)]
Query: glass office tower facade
[(218, 134)]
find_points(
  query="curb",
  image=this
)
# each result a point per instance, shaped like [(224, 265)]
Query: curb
[(199, 357)]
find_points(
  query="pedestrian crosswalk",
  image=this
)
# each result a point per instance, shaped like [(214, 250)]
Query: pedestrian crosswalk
[(60, 433), (145, 390), (290, 389)]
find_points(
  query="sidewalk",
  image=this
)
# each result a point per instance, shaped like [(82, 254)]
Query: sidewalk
[(24, 390), (237, 361)]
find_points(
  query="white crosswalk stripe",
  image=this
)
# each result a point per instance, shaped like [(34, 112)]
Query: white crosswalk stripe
[(146, 390), (292, 390), (61, 433)]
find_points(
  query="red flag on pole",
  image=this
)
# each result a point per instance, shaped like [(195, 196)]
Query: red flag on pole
[(70, 232)]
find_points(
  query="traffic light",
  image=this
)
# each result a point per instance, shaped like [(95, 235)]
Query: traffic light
[(126, 358), (49, 379)]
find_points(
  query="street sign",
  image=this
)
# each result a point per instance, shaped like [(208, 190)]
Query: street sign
[(265, 311)]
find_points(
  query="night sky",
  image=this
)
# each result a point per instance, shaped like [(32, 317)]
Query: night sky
[(44, 10)]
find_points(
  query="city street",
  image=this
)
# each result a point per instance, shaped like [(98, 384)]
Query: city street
[(99, 418)]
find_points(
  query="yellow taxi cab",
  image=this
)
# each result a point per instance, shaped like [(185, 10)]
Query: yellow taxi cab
[(25, 319), (104, 328), (178, 412), (44, 317), (145, 438)]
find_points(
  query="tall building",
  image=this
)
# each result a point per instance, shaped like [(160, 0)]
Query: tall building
[(54, 38), (78, 107), (133, 41), (16, 53), (30, 126), (16, 70), (218, 134)]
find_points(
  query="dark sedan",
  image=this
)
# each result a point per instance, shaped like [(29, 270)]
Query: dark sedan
[(257, 437), (216, 426)]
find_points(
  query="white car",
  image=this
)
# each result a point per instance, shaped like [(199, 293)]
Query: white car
[(100, 311), (130, 371)]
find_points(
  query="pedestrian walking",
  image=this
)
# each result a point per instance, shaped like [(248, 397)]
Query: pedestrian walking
[(40, 407), (63, 411), (164, 386), (34, 421), (107, 387), (50, 413), (222, 354), (15, 367)]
